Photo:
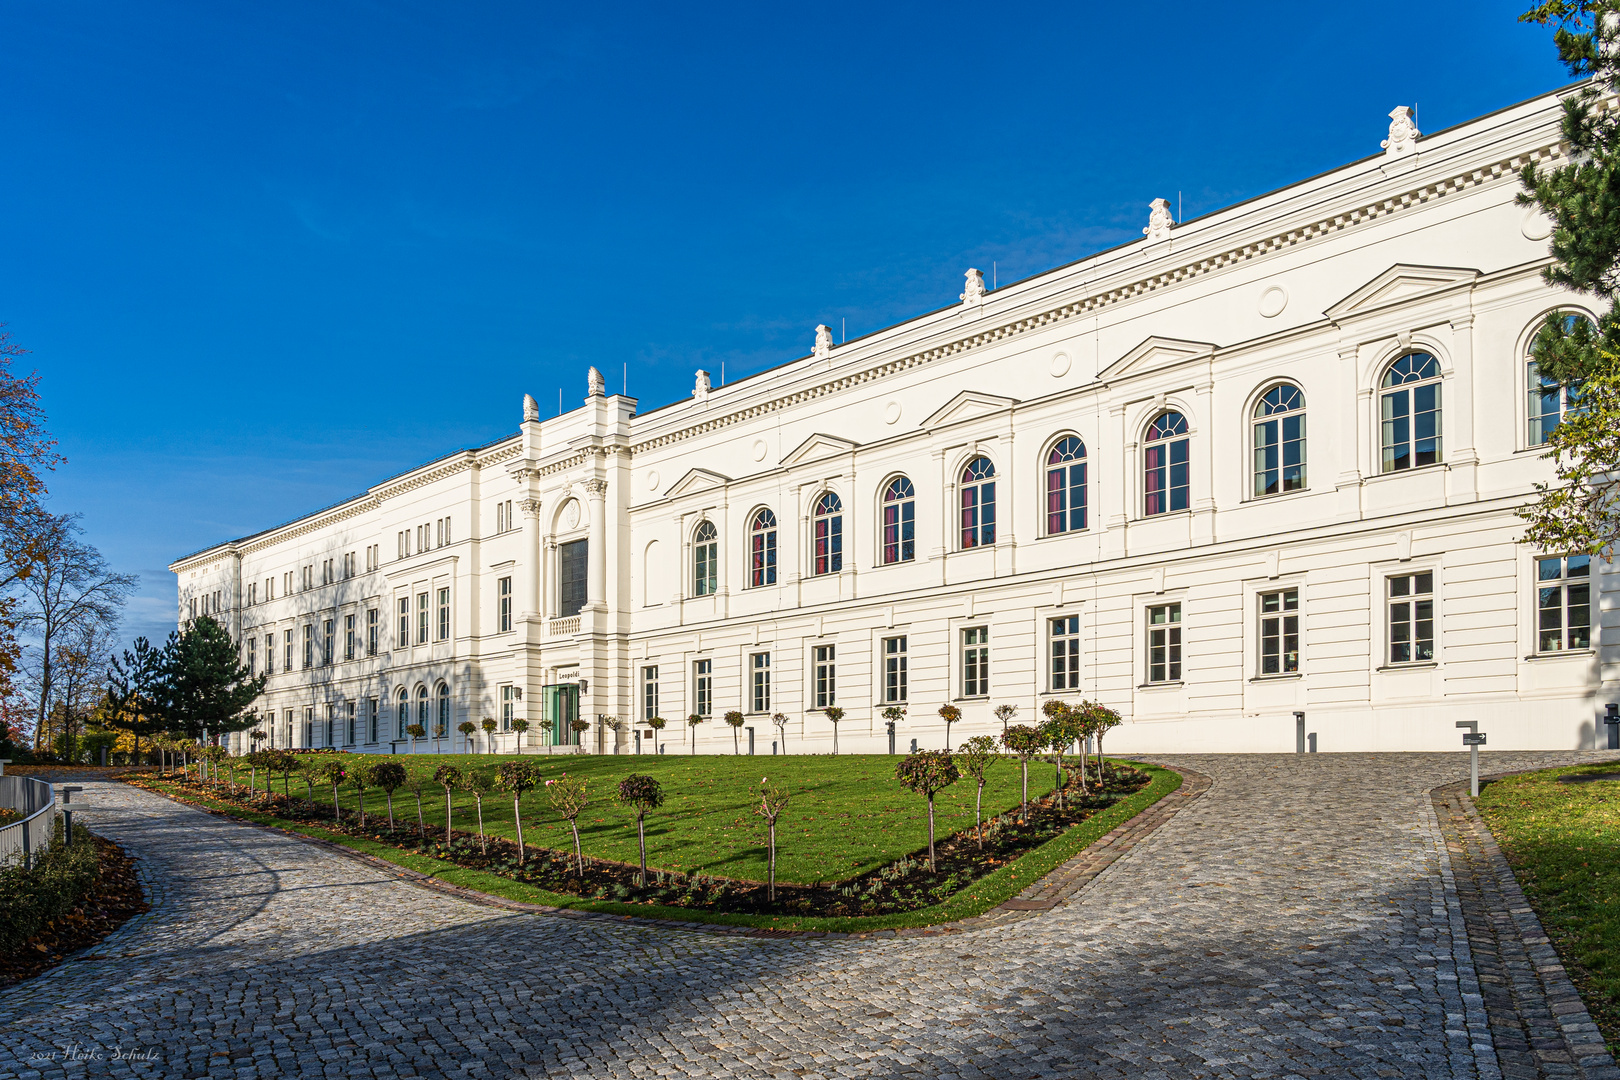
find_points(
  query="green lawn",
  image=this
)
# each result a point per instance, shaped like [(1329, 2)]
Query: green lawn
[(848, 814), (1563, 841)]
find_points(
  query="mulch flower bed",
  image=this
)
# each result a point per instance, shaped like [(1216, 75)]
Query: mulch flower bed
[(904, 885), (115, 898)]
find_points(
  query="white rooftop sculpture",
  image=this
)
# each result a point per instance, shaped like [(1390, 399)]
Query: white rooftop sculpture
[(1160, 220), (1403, 132), (700, 389), (973, 292), (823, 346), (596, 386)]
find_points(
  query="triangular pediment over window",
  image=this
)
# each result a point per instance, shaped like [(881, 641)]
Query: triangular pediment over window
[(819, 446), (1154, 353), (696, 480), (967, 405), (1400, 282)]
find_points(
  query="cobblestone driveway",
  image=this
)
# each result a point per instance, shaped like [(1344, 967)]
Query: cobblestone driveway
[(1299, 919)]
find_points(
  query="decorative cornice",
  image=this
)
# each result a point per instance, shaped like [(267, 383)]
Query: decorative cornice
[(1374, 210)]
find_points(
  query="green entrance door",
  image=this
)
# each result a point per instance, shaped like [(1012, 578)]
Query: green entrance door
[(561, 704)]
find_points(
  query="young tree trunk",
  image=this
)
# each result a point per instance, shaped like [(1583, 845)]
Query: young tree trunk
[(482, 844), (360, 798), (835, 738), (641, 838), (978, 801), (579, 855), (390, 796), (1057, 781), (447, 812), (337, 812), (1023, 800), (932, 867), (421, 826), (771, 889), (517, 817)]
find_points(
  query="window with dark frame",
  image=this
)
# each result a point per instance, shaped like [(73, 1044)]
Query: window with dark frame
[(976, 661), (1064, 651), (759, 665), (896, 675), (572, 566), (1066, 487), (703, 688), (1279, 632), (977, 499), (1164, 643), (899, 521), (826, 675), (649, 691)]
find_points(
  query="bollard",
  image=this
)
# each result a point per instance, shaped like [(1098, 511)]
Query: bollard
[(891, 737), (1311, 739), (913, 746), (1473, 738), (1611, 720), (750, 742), (773, 748), (1299, 733)]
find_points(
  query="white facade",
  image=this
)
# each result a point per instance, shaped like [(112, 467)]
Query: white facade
[(1315, 293)]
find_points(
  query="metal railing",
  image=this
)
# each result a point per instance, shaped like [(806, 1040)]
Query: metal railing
[(36, 800)]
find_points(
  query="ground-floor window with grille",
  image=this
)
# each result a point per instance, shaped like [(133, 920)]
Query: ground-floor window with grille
[(976, 661), (826, 675), (1065, 652), (1279, 632), (1411, 618), (895, 662), (1164, 643), (703, 687), (1563, 603)]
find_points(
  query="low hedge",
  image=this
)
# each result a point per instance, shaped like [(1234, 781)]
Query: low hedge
[(53, 887)]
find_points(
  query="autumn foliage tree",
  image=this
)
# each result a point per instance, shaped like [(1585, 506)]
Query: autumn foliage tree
[(926, 773)]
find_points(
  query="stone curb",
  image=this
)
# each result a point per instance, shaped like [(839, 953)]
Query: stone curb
[(1539, 1026), (1057, 886)]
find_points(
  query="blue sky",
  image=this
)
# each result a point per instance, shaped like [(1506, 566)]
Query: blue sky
[(265, 255)]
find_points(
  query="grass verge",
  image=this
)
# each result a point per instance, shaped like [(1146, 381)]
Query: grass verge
[(1563, 843), (975, 899)]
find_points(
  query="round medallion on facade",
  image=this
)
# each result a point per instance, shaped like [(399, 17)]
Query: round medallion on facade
[(1060, 365), (1536, 225), (1272, 301), (571, 514), (652, 480), (760, 449), (891, 413)]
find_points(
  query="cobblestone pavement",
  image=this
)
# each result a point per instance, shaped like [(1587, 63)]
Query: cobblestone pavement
[(1300, 918)]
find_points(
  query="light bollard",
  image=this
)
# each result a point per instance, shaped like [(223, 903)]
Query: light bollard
[(1299, 732)]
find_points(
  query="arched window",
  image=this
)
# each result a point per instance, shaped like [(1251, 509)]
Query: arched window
[(444, 711), (762, 549), (1066, 487), (827, 534), (404, 712), (1409, 413), (1551, 402), (422, 709), (1164, 465), (705, 559), (978, 502), (1279, 441), (899, 521)]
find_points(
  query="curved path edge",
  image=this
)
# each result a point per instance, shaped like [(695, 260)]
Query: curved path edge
[(1055, 887), (1537, 1022)]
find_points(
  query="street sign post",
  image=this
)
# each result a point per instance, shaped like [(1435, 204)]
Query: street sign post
[(1473, 738)]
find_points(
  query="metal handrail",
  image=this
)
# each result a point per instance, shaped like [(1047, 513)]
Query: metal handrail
[(37, 800)]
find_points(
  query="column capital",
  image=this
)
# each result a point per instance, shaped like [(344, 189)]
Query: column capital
[(595, 488)]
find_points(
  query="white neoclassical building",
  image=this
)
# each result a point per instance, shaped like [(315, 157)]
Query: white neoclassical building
[(1260, 463)]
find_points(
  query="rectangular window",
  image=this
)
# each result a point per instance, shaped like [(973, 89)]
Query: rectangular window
[(703, 687), (309, 645), (503, 589), (508, 707), (348, 637), (287, 728), (253, 655), (444, 614), (422, 618), (826, 674), (287, 656), (328, 634), (354, 729), (404, 621), (976, 661), (1411, 618), (1279, 632), (895, 675), (309, 725), (500, 517), (1065, 652), (1164, 643), (331, 725), (371, 719), (446, 530), (649, 692), (269, 654), (572, 564), (760, 665), (253, 594), (371, 631), (1563, 603)]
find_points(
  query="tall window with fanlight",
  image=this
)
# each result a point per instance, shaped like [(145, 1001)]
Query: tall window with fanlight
[(1165, 464), (977, 498), (1279, 441), (899, 521), (1552, 402), (827, 535), (1409, 414), (762, 549), (705, 559), (1066, 487)]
